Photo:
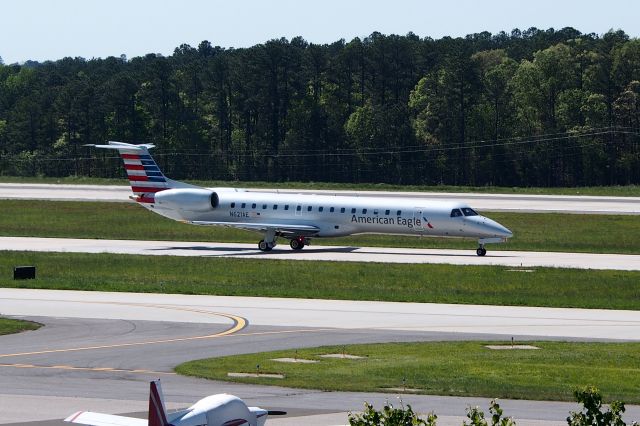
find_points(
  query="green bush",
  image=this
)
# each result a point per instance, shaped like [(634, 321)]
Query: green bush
[(390, 416), (592, 414), (476, 416)]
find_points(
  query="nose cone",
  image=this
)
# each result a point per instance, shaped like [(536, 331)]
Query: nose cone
[(493, 229)]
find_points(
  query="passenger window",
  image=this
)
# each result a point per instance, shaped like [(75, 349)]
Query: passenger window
[(342, 210), (331, 210), (244, 205), (233, 205), (320, 209), (286, 206), (253, 206), (298, 208), (456, 213), (353, 211), (264, 207), (469, 211), (386, 212), (399, 213), (275, 207), (364, 211), (309, 208), (375, 212)]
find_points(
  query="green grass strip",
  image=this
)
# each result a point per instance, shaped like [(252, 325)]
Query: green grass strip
[(447, 368), (618, 191), (532, 231), (10, 326), (493, 285)]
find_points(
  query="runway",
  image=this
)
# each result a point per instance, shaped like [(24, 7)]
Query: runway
[(482, 202), (514, 259), (99, 350)]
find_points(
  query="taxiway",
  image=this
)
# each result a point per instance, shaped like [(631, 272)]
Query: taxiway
[(514, 259), (99, 350)]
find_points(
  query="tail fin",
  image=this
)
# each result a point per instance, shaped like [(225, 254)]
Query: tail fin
[(157, 412), (144, 175)]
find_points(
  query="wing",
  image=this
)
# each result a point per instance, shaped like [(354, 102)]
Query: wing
[(282, 228), (99, 419)]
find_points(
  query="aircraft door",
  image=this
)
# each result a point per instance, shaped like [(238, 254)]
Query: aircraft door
[(419, 219)]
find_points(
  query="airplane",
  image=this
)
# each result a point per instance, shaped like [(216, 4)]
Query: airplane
[(214, 410), (299, 217)]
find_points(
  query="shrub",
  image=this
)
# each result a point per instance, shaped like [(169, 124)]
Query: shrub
[(390, 416)]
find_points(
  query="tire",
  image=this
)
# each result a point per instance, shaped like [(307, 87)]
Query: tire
[(296, 244), (481, 251), (263, 246)]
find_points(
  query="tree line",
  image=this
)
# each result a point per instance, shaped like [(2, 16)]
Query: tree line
[(526, 108)]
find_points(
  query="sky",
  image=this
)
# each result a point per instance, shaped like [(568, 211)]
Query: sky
[(52, 29)]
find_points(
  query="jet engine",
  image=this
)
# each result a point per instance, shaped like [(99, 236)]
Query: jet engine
[(191, 199)]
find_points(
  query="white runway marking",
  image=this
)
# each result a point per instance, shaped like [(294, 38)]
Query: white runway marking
[(482, 202), (512, 259)]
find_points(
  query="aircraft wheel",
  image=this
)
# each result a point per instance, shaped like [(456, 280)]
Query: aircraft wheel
[(296, 244), (264, 246), (481, 251)]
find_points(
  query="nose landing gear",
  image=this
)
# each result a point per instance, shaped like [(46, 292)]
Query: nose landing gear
[(481, 251)]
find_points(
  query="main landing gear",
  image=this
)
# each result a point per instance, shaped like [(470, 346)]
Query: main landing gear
[(269, 241), (266, 246), (298, 243), (481, 251)]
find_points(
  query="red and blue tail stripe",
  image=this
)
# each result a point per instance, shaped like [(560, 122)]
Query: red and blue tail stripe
[(144, 175)]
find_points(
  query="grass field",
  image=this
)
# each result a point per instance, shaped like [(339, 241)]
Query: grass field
[(328, 280), (619, 191), (10, 326), (447, 368), (532, 231)]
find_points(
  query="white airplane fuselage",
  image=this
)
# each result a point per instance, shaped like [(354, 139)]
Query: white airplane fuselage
[(299, 217), (333, 215)]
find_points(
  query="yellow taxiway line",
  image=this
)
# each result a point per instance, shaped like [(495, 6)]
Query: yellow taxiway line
[(239, 323)]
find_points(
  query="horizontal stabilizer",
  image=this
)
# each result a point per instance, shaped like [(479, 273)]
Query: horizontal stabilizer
[(99, 419), (123, 145)]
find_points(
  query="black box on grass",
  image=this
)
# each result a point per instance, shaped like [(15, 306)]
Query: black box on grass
[(24, 272)]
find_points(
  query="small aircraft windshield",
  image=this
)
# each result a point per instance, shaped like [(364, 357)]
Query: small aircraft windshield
[(468, 211), (456, 213)]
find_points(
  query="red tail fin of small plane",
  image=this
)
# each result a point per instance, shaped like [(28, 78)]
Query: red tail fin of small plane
[(157, 412)]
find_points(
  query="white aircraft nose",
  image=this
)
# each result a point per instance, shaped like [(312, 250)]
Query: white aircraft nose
[(493, 228), (506, 233)]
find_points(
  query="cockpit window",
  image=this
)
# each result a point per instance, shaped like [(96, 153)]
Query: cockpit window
[(468, 211), (456, 213)]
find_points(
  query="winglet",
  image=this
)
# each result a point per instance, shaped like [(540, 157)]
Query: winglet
[(157, 412)]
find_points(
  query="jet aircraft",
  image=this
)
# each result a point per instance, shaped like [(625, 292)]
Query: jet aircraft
[(299, 217), (215, 410)]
